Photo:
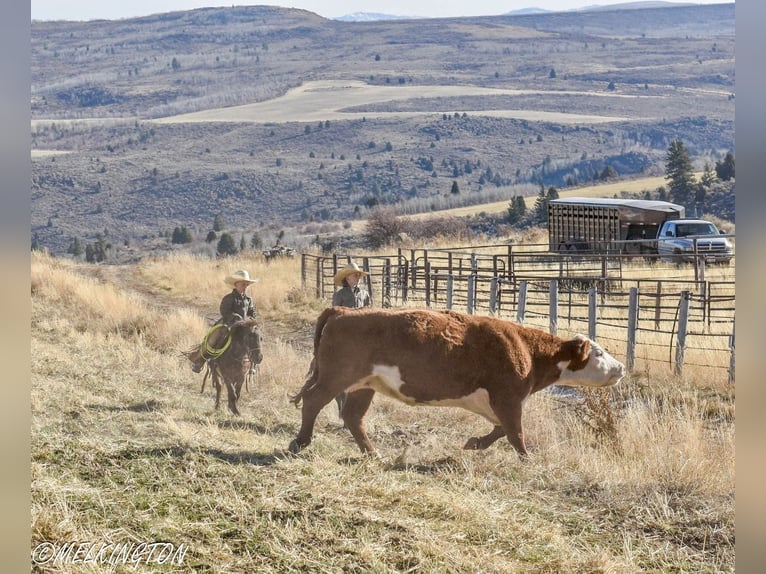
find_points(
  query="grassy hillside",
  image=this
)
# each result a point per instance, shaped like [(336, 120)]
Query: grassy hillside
[(126, 449)]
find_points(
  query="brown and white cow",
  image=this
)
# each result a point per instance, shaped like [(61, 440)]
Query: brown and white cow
[(441, 358)]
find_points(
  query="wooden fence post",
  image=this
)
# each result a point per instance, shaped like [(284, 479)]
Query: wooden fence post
[(471, 305), (319, 285), (450, 290), (428, 282), (630, 358), (493, 296), (731, 357), (553, 310), (522, 306), (658, 306), (592, 308), (683, 323)]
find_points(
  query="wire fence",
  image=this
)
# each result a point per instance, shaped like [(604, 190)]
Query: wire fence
[(667, 317)]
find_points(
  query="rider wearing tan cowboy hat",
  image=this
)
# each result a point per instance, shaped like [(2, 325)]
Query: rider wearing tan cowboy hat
[(351, 293), (235, 306)]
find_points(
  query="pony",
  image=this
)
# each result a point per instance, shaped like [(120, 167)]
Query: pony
[(234, 363)]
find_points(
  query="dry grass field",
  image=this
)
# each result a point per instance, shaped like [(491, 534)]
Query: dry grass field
[(125, 449)]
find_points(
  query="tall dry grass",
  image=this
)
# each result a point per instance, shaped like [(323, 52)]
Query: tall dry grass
[(125, 448)]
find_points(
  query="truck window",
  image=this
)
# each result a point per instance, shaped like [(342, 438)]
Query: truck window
[(687, 229)]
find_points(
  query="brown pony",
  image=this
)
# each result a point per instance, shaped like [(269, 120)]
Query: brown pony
[(236, 364)]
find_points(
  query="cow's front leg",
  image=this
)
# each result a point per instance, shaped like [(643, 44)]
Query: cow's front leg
[(510, 419), (482, 442)]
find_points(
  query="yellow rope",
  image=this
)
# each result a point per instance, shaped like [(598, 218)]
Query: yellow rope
[(212, 352)]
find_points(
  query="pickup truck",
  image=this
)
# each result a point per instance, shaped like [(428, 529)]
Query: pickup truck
[(676, 242)]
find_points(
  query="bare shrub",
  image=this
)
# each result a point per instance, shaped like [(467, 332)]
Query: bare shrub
[(384, 227), (596, 412), (439, 227)]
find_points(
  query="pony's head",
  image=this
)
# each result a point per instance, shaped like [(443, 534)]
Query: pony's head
[(246, 338)]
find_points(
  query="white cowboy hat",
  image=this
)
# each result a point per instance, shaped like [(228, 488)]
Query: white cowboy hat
[(346, 271), (237, 276)]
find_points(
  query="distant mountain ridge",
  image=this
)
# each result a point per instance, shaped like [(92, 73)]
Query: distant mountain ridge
[(372, 17), (378, 16)]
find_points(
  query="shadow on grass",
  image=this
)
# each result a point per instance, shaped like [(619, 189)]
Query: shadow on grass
[(149, 406), (185, 453)]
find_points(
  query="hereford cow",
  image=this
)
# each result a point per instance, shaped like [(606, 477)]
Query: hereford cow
[(441, 358)]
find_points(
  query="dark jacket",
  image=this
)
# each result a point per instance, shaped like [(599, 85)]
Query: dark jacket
[(236, 304), (348, 297)]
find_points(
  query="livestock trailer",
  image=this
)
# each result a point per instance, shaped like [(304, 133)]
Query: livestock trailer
[(598, 225)]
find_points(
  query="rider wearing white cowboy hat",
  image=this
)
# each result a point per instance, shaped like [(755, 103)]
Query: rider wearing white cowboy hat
[(350, 294), (235, 306), (237, 302)]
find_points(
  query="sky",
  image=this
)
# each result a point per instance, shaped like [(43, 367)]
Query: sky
[(118, 9)]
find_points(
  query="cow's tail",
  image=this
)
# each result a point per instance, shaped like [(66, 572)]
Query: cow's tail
[(313, 375)]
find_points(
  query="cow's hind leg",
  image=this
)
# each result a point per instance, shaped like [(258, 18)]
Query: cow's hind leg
[(354, 408), (482, 442), (314, 400)]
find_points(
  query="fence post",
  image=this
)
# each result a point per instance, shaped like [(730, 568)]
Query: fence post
[(630, 358), (731, 357), (658, 306), (553, 307), (404, 277), (592, 307), (428, 282), (450, 289), (683, 323), (386, 302), (471, 305), (493, 296), (319, 285), (522, 307)]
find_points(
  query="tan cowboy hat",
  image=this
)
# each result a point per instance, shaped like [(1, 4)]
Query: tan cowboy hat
[(346, 271), (237, 276)]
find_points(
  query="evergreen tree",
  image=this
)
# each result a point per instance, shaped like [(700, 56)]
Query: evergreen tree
[(75, 248), (517, 209), (679, 173), (455, 189), (725, 169), (256, 243), (218, 222), (708, 177), (242, 244), (89, 256), (211, 236), (226, 245), (541, 205)]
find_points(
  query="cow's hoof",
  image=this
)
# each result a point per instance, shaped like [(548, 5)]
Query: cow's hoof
[(472, 444)]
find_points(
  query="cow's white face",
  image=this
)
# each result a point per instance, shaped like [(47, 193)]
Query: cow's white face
[(600, 370)]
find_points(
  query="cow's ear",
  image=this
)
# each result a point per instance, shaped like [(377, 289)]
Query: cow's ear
[(581, 348)]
